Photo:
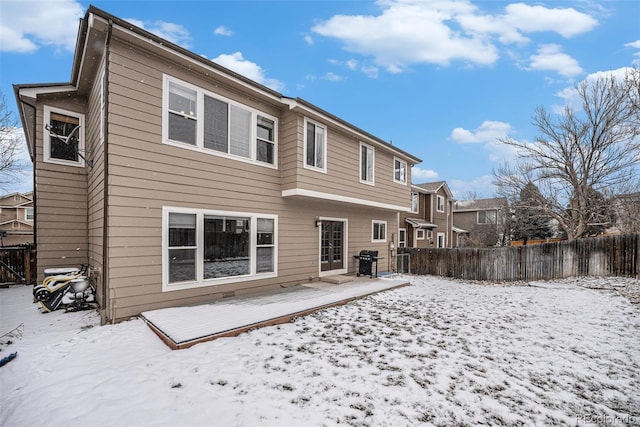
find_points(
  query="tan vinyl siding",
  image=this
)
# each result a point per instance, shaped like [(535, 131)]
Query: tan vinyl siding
[(95, 198), (62, 238), (343, 166)]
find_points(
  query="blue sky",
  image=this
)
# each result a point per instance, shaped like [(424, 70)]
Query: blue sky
[(441, 79)]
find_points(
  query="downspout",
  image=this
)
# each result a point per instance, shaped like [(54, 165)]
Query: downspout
[(108, 303)]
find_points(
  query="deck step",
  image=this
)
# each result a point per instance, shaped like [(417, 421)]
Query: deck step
[(338, 279)]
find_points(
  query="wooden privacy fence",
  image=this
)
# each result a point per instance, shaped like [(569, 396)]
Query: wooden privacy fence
[(17, 265), (599, 256)]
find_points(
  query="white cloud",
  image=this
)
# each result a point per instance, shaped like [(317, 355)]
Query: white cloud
[(550, 57), (570, 96), (418, 174), (482, 186), (488, 131), (407, 32), (175, 33), (240, 65), (24, 28), (566, 22), (223, 31), (332, 77)]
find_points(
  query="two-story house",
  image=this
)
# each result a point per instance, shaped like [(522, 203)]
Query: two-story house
[(16, 219), (429, 223), (483, 219), (179, 181)]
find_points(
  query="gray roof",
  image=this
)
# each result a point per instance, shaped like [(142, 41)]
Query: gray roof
[(480, 204)]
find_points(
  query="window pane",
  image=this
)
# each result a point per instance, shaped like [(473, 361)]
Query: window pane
[(264, 262), (182, 100), (369, 164), (64, 134), (311, 142), (320, 147), (265, 231), (182, 229), (240, 132), (264, 152), (182, 129), (363, 163), (265, 129), (182, 265), (226, 246), (216, 124)]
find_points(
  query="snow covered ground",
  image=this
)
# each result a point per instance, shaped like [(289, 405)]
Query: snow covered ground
[(440, 352)]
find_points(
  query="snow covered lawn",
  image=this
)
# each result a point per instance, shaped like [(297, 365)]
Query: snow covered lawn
[(439, 352)]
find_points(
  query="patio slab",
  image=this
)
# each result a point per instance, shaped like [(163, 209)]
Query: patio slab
[(183, 327)]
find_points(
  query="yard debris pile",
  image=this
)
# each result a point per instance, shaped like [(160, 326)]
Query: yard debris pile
[(440, 352)]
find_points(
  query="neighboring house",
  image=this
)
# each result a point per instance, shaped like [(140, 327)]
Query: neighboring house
[(626, 208), (16, 219), (482, 221), (429, 224), (179, 181)]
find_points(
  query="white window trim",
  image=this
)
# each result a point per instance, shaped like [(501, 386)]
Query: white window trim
[(47, 139), (417, 203), (199, 147), (444, 240), (373, 236), (420, 234), (323, 169), (200, 281), (373, 168), (406, 171), (438, 198)]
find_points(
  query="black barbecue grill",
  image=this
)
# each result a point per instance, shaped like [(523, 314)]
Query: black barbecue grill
[(366, 259)]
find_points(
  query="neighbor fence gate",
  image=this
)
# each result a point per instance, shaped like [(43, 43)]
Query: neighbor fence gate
[(17, 265), (599, 256)]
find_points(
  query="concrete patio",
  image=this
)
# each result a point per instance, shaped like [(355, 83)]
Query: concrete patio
[(183, 327)]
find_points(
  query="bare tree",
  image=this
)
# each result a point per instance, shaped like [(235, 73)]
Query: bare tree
[(10, 164), (595, 149)]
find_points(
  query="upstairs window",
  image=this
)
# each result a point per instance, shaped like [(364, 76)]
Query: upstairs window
[(63, 137), (415, 199), (440, 204), (266, 140), (367, 164), (399, 171), (183, 114), (487, 217), (315, 146), (216, 125)]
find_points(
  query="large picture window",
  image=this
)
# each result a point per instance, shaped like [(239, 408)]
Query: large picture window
[(63, 137), (204, 248), (216, 125), (315, 146), (367, 164)]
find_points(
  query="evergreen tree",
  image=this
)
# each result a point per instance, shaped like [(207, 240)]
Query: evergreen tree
[(530, 221)]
